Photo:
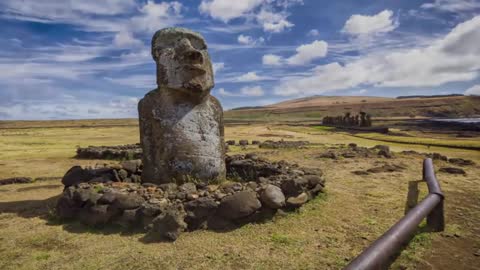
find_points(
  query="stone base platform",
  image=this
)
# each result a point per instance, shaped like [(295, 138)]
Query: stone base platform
[(256, 190)]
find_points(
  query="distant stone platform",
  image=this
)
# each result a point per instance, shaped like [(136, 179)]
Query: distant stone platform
[(257, 190), (119, 152)]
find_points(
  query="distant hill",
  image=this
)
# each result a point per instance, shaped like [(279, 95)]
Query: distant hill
[(316, 107)]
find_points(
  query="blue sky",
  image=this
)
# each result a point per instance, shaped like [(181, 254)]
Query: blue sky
[(91, 59)]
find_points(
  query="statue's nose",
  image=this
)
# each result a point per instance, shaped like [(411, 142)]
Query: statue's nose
[(189, 53), (194, 56)]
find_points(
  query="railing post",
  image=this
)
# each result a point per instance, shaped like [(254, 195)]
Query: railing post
[(436, 219)]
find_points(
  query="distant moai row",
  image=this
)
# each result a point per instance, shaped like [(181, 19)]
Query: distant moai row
[(360, 120)]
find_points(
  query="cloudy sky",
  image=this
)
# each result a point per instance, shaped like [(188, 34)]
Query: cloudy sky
[(91, 59)]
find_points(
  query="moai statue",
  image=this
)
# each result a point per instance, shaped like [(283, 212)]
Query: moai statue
[(181, 124), (346, 119), (357, 121), (368, 121), (362, 119)]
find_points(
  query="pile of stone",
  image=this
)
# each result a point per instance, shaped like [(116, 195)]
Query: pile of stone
[(112, 195), (16, 180), (119, 152), (437, 156), (284, 144), (452, 170), (355, 151)]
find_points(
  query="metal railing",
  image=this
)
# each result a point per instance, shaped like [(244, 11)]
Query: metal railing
[(381, 253)]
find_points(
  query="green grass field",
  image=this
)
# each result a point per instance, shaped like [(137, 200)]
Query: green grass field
[(324, 234)]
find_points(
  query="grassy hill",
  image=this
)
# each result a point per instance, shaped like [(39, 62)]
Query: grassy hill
[(316, 107)]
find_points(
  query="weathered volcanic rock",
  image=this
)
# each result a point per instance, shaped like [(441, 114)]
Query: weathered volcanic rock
[(386, 168), (168, 225), (452, 170), (461, 162), (243, 142), (272, 196), (239, 205), (127, 201), (16, 180), (97, 215), (76, 175), (297, 201), (198, 212)]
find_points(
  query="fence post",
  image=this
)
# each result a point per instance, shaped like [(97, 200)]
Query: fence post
[(436, 219)]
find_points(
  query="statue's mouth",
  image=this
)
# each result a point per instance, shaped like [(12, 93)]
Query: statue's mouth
[(195, 69)]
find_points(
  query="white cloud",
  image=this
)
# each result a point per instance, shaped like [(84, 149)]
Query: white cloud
[(272, 60), (247, 91), (255, 91), (452, 58), (274, 22), (313, 33), (304, 55), (126, 39), (250, 77), (156, 16), (308, 52), (365, 25), (453, 5), (217, 66), (226, 10), (248, 40), (146, 82), (473, 91), (271, 15), (224, 93)]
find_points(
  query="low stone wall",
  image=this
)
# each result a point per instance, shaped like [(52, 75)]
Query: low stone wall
[(283, 144), (257, 191), (120, 152), (354, 151)]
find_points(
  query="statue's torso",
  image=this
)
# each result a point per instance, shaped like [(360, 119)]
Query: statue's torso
[(181, 138)]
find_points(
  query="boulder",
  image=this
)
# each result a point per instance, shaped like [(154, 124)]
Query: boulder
[(314, 180), (169, 224), (66, 207), (230, 142), (131, 166), (97, 215), (107, 198), (384, 153), (293, 187), (272, 196), (76, 175), (243, 142), (198, 211), (297, 201), (329, 154), (188, 188), (81, 196), (147, 213), (238, 205), (385, 148), (127, 219), (127, 201)]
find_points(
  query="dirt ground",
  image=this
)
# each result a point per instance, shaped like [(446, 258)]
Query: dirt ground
[(324, 234)]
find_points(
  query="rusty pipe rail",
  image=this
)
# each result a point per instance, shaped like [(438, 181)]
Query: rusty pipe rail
[(381, 253)]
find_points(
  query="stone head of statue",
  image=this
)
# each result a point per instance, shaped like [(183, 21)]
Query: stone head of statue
[(182, 61)]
